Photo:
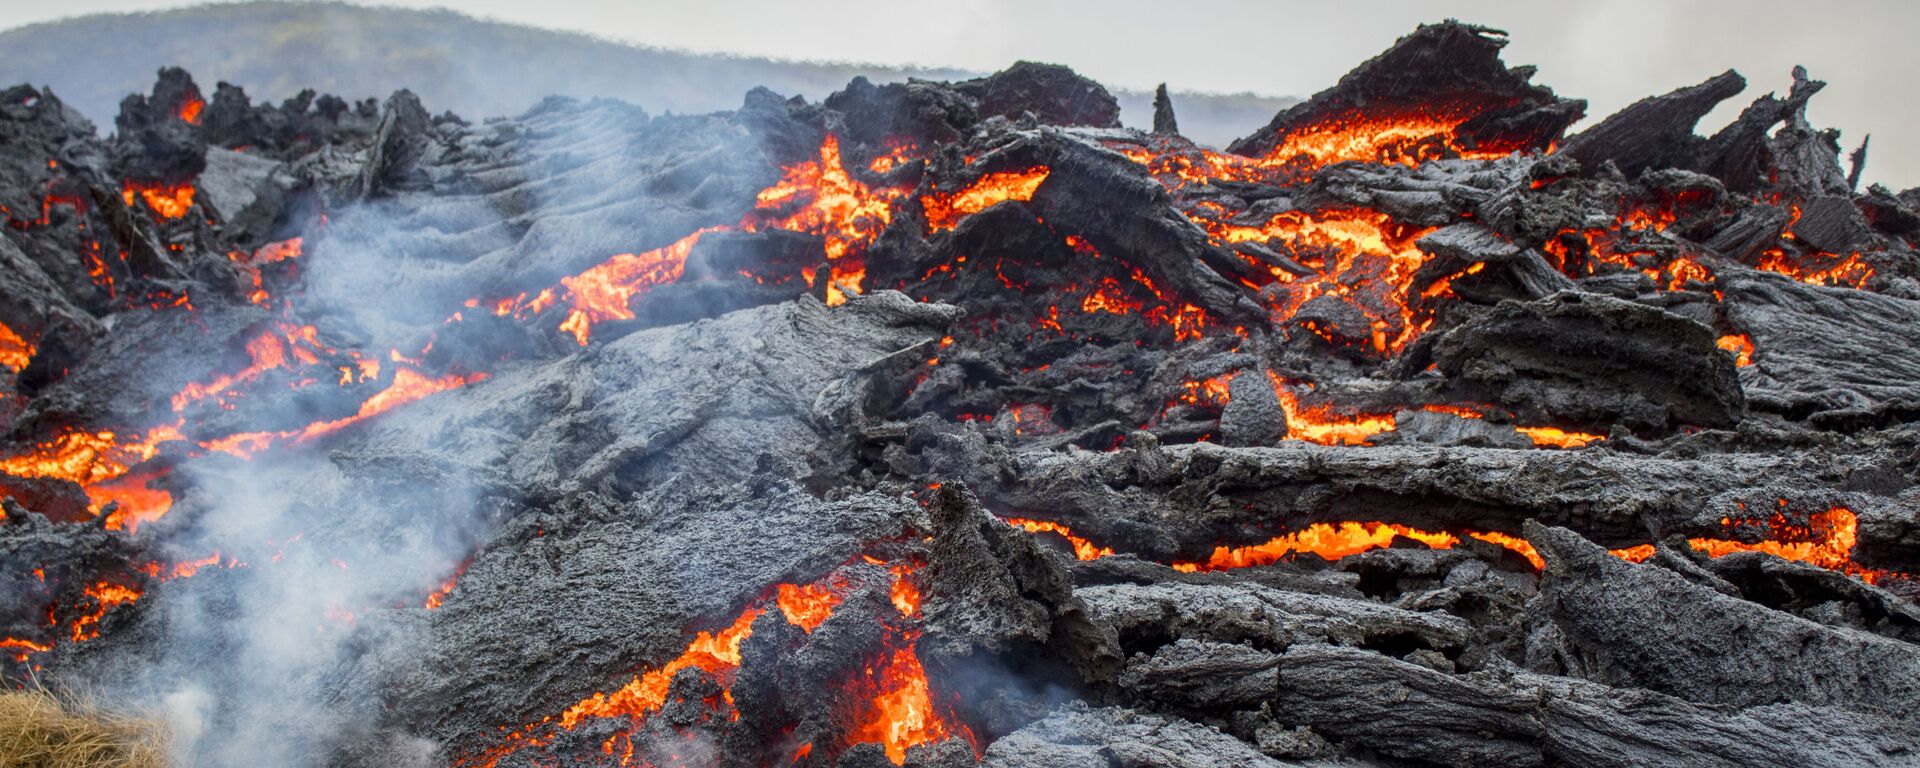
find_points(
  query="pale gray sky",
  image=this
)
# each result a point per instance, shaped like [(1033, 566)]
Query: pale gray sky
[(1609, 52)]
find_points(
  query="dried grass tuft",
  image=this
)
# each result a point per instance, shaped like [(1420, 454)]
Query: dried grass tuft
[(41, 730)]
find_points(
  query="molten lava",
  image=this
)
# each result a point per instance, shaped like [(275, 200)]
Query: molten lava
[(15, 352), (103, 596), (897, 713), (138, 501), (944, 211), (278, 347), (1825, 540), (1557, 437), (806, 607), (190, 109), (900, 713), (1329, 541), (438, 596), (170, 201), (1740, 345), (1319, 424), (716, 653), (1850, 271), (408, 386), (1082, 549), (1359, 255), (604, 291)]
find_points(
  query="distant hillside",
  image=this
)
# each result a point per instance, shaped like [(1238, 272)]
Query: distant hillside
[(473, 67)]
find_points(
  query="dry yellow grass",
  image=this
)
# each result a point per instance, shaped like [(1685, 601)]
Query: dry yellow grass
[(40, 730)]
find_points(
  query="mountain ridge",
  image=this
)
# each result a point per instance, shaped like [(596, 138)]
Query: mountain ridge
[(472, 66)]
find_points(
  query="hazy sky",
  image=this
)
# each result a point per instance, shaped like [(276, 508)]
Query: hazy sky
[(1609, 52)]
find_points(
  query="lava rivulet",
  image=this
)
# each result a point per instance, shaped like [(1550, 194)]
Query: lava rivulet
[(945, 210), (1826, 540)]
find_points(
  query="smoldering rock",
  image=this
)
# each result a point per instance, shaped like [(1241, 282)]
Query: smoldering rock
[(1174, 503), (1252, 415), (1865, 380), (595, 504), (995, 601), (1566, 357), (1599, 607), (1164, 120), (1260, 616), (155, 140), (1081, 737), (1455, 63), (1520, 719)]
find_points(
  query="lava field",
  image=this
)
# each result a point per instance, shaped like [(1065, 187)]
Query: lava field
[(943, 424)]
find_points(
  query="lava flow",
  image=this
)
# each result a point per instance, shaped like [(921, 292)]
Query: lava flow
[(1361, 255), (1826, 539), (944, 211), (816, 197), (898, 710), (171, 201), (15, 352)]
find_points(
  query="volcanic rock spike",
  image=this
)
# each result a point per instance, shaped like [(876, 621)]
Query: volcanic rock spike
[(1002, 622), (1807, 160), (155, 135), (1163, 118), (404, 135), (1655, 132), (1740, 154)]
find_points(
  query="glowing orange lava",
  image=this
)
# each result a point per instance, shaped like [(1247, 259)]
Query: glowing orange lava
[(944, 211), (900, 713), (139, 501), (22, 649), (1360, 255), (806, 607), (408, 386), (604, 291), (1826, 540), (1328, 540), (1558, 438), (1740, 345), (191, 108), (1410, 138), (438, 596), (1851, 271), (277, 347), (171, 201), (1321, 425), (1082, 549), (15, 352), (104, 595)]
